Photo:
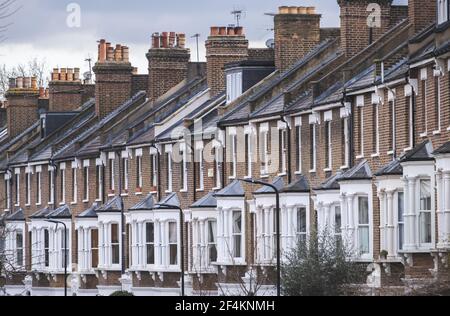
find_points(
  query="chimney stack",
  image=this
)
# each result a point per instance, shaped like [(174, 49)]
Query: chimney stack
[(223, 46), (356, 31), (66, 90), (421, 14), (22, 105), (113, 73), (168, 60), (297, 32)]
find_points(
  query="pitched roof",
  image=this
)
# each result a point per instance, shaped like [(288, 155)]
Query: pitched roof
[(90, 212), (278, 182), (393, 168), (234, 189), (113, 205), (300, 185), (359, 172), (422, 152), (171, 199), (17, 216), (208, 201), (148, 203), (62, 212), (444, 149), (42, 213), (331, 183)]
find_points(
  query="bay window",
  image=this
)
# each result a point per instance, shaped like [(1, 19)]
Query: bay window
[(19, 248), (212, 241), (46, 248), (338, 225), (401, 219), (301, 231)]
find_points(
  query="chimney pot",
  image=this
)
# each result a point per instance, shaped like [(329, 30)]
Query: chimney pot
[(19, 82), (41, 92), (172, 38), (239, 30), (135, 71), (165, 40), (214, 30), (230, 31), (118, 53), (110, 54), (125, 54), (27, 82), (302, 10), (63, 74), (283, 10), (311, 10), (69, 74), (76, 74), (102, 51), (156, 40), (34, 83), (293, 10), (12, 83), (47, 93), (181, 42), (222, 31)]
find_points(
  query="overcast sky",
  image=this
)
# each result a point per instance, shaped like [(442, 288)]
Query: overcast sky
[(40, 29)]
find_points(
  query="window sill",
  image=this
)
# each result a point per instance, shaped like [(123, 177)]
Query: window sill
[(232, 178), (200, 190), (124, 194), (313, 171), (390, 153), (448, 128), (168, 191), (62, 203), (436, 133), (328, 170), (266, 176), (138, 193), (73, 203), (184, 191), (153, 192), (50, 204), (216, 188), (86, 201), (298, 173), (360, 157), (111, 195), (38, 204), (423, 135), (375, 156), (407, 149), (283, 174), (27, 205)]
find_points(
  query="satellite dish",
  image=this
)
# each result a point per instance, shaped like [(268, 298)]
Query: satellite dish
[(87, 76), (270, 43)]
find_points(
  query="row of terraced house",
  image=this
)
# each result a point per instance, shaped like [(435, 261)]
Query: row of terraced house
[(350, 124)]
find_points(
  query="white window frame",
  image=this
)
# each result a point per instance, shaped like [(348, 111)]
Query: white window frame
[(298, 126), (300, 234), (63, 183), (314, 148), (17, 186), (99, 178), (8, 192), (126, 173), (140, 180), (347, 143), (74, 184), (217, 166), (282, 128), (393, 104), (234, 234), (233, 140), (442, 14), (51, 185), (28, 187), (168, 152), (377, 130), (38, 185), (199, 149), (169, 243), (424, 79), (360, 105), (154, 175), (362, 225), (438, 91), (328, 122), (86, 165), (184, 167), (248, 134), (420, 212)]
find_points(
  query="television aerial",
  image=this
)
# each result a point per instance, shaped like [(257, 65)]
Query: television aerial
[(270, 43)]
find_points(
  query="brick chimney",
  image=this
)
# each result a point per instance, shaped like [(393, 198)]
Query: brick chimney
[(224, 45), (66, 91), (22, 105), (297, 32), (168, 61), (358, 28), (421, 14), (113, 72)]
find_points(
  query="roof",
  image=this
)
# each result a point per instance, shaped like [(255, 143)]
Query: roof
[(62, 212), (113, 205), (359, 172), (300, 185), (90, 212), (171, 199), (422, 152), (148, 203), (444, 149), (208, 201), (17, 216), (331, 183), (42, 213), (394, 168), (278, 182), (234, 189)]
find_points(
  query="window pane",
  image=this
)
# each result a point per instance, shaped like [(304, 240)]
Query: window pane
[(237, 246), (173, 238), (150, 235), (150, 254), (212, 253), (401, 207), (237, 222), (363, 211), (173, 255), (94, 248), (19, 248), (114, 233), (425, 195), (337, 220), (301, 220), (115, 254), (364, 240), (212, 229), (425, 228)]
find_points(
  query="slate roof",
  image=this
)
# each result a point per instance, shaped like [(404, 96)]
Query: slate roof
[(444, 149), (278, 182), (90, 212), (148, 203), (42, 213), (208, 201), (422, 152), (171, 199), (359, 172), (17, 216), (300, 185), (113, 205), (394, 168), (62, 212), (331, 183), (234, 189)]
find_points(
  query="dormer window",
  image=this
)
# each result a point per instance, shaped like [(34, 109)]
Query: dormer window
[(443, 11), (234, 86)]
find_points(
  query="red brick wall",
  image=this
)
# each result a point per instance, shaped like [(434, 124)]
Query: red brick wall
[(421, 14), (21, 111)]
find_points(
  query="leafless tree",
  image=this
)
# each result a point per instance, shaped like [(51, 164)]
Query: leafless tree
[(7, 9)]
